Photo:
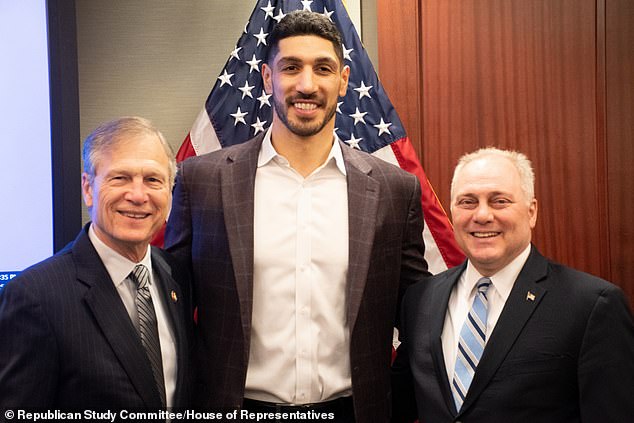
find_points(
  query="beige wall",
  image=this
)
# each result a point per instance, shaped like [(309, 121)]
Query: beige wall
[(154, 59)]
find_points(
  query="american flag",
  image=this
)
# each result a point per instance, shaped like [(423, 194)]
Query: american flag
[(238, 108)]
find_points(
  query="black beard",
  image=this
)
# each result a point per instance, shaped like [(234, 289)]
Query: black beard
[(281, 109)]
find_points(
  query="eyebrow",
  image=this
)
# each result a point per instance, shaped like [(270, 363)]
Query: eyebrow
[(318, 60), (490, 194), (147, 171)]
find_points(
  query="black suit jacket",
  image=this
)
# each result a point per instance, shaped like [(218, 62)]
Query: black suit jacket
[(67, 341), (211, 227), (565, 356)]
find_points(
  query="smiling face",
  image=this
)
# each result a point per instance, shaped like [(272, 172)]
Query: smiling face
[(492, 217), (129, 196), (305, 79)]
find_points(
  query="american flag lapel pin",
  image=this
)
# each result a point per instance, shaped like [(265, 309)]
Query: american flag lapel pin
[(530, 296)]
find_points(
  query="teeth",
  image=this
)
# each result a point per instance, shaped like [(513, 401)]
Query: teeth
[(484, 234), (134, 215), (305, 106)]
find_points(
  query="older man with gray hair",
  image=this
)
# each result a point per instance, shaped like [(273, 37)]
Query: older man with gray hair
[(510, 336), (105, 323)]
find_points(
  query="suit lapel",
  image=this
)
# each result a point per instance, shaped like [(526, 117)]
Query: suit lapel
[(363, 199), (105, 303), (171, 295), (523, 300), (238, 185), (438, 310)]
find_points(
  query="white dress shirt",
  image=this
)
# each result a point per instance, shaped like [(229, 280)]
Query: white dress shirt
[(119, 268), (300, 339), (461, 300)]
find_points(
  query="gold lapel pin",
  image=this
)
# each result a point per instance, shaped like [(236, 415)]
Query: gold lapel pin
[(174, 296), (530, 296)]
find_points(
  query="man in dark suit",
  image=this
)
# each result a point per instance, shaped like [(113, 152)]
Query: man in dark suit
[(104, 324), (300, 248), (510, 336)]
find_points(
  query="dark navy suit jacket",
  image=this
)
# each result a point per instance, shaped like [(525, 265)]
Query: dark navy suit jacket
[(563, 353), (67, 341)]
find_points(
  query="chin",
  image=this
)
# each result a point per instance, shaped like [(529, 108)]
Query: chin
[(135, 237), (486, 260)]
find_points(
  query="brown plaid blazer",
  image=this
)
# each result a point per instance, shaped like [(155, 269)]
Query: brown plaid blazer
[(211, 229)]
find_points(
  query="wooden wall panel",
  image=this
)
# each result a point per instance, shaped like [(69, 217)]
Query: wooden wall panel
[(551, 78), (400, 62), (620, 136)]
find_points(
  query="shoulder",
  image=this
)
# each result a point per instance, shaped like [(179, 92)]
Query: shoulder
[(377, 165), (41, 280), (61, 263), (395, 182), (224, 154), (427, 284), (581, 284), (211, 165), (167, 261)]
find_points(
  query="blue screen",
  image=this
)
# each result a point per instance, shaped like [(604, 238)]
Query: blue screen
[(26, 191)]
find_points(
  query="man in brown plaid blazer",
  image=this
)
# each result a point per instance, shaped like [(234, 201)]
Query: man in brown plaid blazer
[(300, 248)]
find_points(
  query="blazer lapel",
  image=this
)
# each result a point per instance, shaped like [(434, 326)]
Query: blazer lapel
[(363, 199), (171, 293), (438, 311), (237, 186), (105, 303), (523, 300)]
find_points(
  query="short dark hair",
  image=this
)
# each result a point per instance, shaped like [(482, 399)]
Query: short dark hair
[(303, 22)]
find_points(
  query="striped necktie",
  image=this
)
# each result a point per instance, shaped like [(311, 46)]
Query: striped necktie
[(471, 343), (148, 329)]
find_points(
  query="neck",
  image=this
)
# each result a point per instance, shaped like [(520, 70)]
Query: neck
[(133, 251), (304, 154), (135, 255)]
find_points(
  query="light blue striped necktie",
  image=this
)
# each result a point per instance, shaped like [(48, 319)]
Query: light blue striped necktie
[(471, 343)]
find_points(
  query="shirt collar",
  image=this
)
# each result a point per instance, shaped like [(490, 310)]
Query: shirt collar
[(268, 153), (118, 267), (503, 280)]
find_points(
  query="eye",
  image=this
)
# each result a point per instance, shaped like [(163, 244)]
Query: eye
[(467, 203), (118, 178), (154, 181), (501, 202), (324, 69)]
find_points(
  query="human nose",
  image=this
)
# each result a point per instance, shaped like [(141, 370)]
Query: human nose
[(306, 82), (137, 192), (483, 213)]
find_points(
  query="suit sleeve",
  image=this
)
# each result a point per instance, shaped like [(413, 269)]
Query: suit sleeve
[(178, 233), (413, 264), (28, 351), (606, 361)]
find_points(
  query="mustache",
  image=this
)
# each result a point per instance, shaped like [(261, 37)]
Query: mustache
[(303, 96)]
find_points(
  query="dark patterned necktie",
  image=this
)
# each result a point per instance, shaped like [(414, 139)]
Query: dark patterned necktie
[(148, 329)]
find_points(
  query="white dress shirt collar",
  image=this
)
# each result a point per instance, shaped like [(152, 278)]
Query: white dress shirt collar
[(118, 266), (503, 280), (268, 153)]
